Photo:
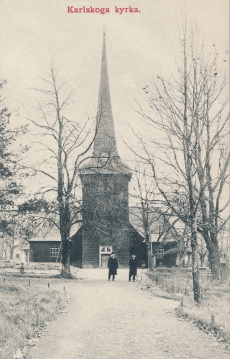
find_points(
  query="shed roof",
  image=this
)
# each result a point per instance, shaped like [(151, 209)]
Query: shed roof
[(52, 236)]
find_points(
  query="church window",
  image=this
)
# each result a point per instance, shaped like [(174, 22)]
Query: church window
[(105, 249), (160, 253), (54, 250)]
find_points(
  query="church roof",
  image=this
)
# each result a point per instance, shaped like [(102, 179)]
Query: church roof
[(160, 228), (105, 158)]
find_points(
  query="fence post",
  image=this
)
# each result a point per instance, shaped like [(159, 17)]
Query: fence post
[(212, 319)]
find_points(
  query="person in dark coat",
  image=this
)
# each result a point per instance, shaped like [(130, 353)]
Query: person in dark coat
[(112, 265), (133, 264)]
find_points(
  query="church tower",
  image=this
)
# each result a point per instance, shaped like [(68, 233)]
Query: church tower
[(105, 188), (105, 180)]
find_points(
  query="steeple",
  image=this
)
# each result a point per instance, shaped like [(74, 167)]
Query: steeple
[(105, 191), (105, 140), (105, 158)]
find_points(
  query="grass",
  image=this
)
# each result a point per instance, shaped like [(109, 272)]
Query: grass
[(213, 314), (23, 309)]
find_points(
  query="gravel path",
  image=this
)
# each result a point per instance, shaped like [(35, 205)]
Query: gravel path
[(118, 320)]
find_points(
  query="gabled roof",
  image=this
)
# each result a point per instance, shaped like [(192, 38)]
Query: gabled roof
[(45, 239), (50, 236), (160, 229), (23, 244)]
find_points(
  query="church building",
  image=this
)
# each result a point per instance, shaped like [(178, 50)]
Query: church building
[(105, 196)]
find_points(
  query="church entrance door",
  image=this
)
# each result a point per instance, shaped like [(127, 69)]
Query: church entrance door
[(104, 254), (104, 260)]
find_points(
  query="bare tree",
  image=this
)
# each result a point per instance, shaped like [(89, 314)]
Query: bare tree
[(224, 244), (10, 181), (192, 126), (151, 216), (143, 193), (65, 144)]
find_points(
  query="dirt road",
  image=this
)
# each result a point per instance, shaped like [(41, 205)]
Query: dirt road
[(118, 320)]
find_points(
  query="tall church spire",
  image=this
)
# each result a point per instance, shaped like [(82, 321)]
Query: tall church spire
[(105, 140), (105, 158)]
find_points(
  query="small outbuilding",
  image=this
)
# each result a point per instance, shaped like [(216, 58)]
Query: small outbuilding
[(21, 252), (46, 248)]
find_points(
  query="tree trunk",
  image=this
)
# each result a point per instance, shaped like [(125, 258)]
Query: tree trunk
[(195, 275), (214, 259), (147, 238), (65, 272), (195, 255), (152, 262), (213, 251), (148, 247), (65, 233), (195, 263)]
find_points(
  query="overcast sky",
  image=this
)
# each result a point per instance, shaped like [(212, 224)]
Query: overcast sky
[(139, 47)]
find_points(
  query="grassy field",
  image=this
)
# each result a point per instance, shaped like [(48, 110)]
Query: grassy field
[(213, 314), (24, 309)]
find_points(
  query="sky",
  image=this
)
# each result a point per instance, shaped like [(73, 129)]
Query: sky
[(139, 47)]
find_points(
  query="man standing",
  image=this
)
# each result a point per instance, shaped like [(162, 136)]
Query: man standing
[(133, 264), (112, 265)]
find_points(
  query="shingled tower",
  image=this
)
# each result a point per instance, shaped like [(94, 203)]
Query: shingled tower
[(105, 181)]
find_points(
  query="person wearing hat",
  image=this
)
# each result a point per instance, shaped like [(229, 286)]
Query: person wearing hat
[(133, 264), (112, 265)]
